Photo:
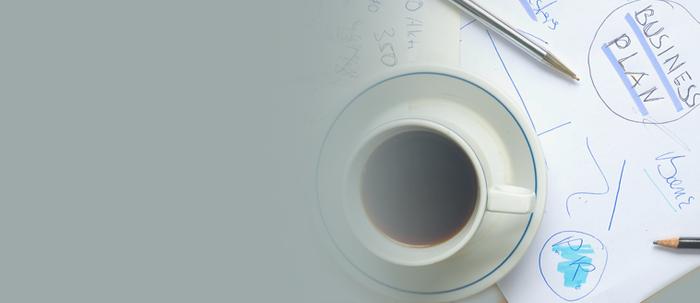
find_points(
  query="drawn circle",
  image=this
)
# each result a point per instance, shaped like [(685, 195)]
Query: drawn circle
[(608, 83), (546, 257)]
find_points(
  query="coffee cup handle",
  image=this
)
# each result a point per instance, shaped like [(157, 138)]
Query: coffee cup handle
[(510, 199)]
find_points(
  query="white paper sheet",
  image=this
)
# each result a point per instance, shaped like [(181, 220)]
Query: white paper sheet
[(354, 45), (372, 37), (621, 146)]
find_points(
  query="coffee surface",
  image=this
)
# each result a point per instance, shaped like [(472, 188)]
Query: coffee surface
[(419, 188)]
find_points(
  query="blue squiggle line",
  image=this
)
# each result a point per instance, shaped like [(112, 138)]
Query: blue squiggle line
[(617, 195), (554, 128), (533, 36), (498, 53), (600, 170), (467, 24)]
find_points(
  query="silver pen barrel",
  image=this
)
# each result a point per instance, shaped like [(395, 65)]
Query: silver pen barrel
[(502, 28)]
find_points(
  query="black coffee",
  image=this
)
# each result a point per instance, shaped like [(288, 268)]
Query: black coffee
[(419, 188)]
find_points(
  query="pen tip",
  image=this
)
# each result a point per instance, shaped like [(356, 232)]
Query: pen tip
[(558, 65)]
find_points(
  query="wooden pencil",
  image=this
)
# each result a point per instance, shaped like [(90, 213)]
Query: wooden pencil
[(680, 242)]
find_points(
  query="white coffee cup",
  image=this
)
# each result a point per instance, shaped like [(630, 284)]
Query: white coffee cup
[(503, 198)]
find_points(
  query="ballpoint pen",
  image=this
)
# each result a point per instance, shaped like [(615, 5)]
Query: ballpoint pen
[(499, 26)]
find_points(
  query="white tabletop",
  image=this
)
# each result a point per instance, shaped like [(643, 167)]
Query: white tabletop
[(679, 291)]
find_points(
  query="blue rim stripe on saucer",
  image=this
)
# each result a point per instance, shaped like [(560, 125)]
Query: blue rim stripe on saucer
[(534, 164)]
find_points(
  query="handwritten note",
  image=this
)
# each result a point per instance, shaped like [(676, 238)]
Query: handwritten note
[(371, 37), (580, 260), (620, 146), (539, 10)]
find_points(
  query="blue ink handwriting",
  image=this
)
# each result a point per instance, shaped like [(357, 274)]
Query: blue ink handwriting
[(528, 9), (667, 169), (572, 263), (537, 9), (576, 265)]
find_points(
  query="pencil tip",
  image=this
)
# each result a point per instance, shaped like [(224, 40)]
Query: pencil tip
[(671, 243)]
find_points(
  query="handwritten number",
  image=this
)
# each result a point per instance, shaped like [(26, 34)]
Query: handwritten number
[(383, 46), (386, 49), (390, 59), (414, 5), (384, 33), (373, 6)]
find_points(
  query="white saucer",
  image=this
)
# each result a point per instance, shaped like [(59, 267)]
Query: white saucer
[(505, 139)]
